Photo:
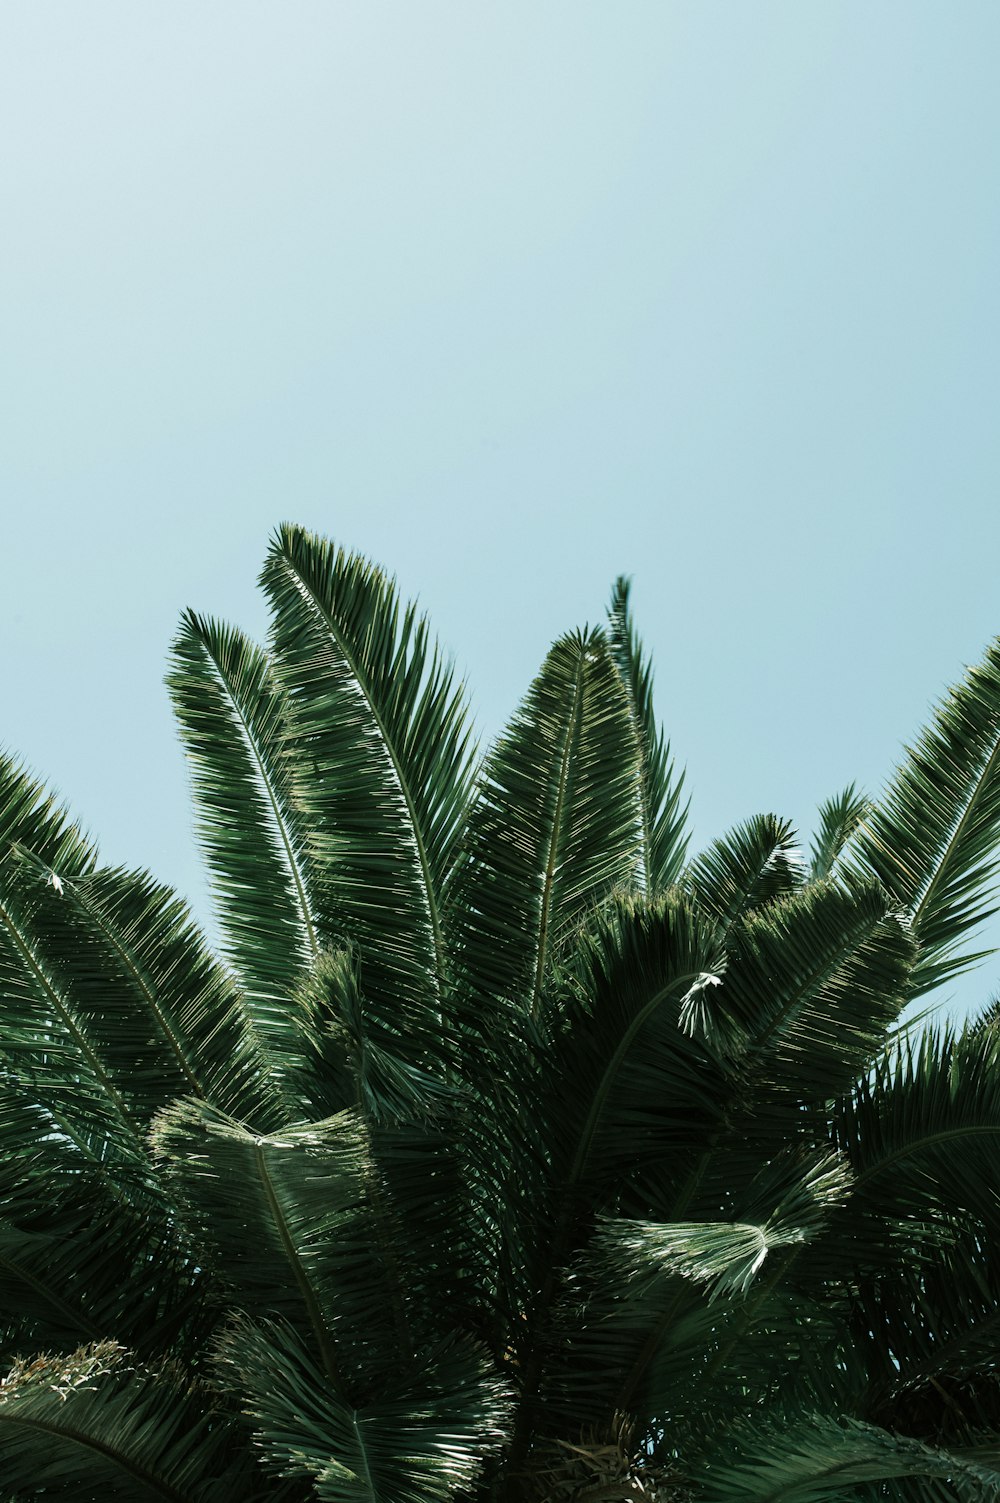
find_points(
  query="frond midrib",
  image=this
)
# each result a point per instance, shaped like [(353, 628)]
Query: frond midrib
[(918, 1145), (957, 833)]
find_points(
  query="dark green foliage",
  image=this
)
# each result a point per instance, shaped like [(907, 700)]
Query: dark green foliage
[(503, 1154)]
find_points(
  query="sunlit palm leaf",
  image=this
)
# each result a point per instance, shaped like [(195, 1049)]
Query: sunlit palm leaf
[(838, 819), (746, 869), (932, 839), (380, 762), (233, 721), (663, 816), (554, 828)]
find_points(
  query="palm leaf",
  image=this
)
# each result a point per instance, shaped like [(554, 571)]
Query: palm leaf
[(233, 721), (820, 1459), (142, 992), (839, 817), (750, 867), (47, 1047), (30, 817), (380, 759), (811, 987), (424, 1441), (288, 1223), (80, 1260), (554, 827), (95, 1425), (932, 838), (664, 819), (727, 1256)]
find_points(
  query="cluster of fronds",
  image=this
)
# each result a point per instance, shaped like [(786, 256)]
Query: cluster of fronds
[(503, 1152)]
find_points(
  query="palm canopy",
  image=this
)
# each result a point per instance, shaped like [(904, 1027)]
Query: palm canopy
[(502, 1152)]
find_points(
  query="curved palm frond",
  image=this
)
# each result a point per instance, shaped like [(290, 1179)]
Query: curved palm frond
[(818, 1458), (428, 1436), (380, 759), (233, 720), (160, 1013), (95, 1425), (932, 839)]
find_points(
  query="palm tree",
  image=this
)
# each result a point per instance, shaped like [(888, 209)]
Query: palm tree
[(503, 1153)]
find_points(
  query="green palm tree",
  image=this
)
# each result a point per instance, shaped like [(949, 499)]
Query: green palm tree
[(502, 1153)]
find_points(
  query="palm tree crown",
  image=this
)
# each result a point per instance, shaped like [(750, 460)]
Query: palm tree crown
[(504, 1152)]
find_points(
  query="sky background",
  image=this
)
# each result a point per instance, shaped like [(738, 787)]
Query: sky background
[(511, 297)]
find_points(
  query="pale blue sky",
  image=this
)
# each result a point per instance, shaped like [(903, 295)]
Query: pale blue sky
[(512, 297)]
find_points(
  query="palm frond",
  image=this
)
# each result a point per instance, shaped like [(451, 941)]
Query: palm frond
[(811, 987), (31, 818), (46, 1047), (664, 818), (753, 865), (95, 1425), (932, 838), (140, 985), (283, 1221), (554, 827), (233, 721), (427, 1438), (84, 1255), (921, 1132), (839, 817), (726, 1256), (379, 754), (820, 1459)]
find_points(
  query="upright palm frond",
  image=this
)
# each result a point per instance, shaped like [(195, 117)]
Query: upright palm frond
[(380, 761), (233, 720), (839, 817), (664, 818), (553, 828), (751, 866), (932, 839)]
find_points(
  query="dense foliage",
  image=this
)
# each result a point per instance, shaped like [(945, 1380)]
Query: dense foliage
[(503, 1152)]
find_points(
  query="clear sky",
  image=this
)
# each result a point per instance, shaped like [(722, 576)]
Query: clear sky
[(512, 297)]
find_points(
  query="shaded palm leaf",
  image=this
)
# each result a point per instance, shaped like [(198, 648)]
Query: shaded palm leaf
[(819, 1459), (95, 1425), (429, 1439)]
